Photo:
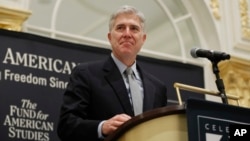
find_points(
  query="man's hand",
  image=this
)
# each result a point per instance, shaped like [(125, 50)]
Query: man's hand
[(110, 125)]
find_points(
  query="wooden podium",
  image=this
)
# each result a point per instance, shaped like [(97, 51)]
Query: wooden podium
[(167, 123), (198, 120)]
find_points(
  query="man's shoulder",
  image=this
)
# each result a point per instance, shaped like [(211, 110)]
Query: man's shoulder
[(93, 65), (90, 63)]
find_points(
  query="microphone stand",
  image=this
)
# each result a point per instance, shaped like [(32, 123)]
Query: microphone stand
[(219, 81)]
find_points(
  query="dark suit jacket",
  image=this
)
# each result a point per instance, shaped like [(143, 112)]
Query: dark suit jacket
[(96, 92)]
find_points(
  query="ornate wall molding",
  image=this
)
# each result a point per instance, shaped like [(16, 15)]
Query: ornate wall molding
[(236, 76), (244, 19), (12, 19), (214, 4), (238, 28)]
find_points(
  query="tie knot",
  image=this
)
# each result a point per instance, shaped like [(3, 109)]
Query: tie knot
[(129, 71)]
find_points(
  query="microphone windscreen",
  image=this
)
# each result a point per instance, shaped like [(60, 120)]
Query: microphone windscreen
[(193, 52)]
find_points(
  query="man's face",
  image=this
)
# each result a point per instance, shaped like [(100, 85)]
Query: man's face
[(126, 36)]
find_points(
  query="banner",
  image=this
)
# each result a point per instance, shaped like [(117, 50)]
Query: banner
[(210, 121), (34, 73)]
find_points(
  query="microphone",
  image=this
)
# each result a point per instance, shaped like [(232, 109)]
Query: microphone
[(210, 54)]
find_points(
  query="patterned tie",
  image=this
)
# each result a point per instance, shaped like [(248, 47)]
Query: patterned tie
[(134, 91)]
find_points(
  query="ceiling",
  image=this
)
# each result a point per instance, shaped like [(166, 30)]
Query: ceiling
[(169, 25)]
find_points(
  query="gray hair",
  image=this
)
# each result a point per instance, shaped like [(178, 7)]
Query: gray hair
[(127, 10)]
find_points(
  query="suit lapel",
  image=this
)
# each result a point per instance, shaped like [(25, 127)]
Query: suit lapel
[(149, 90), (115, 79)]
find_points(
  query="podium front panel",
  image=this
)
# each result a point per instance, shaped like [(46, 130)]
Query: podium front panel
[(210, 121), (172, 127), (165, 123)]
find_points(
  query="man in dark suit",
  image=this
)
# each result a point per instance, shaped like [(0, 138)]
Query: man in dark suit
[(98, 97)]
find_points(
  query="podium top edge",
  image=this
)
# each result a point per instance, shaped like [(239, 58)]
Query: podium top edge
[(146, 116)]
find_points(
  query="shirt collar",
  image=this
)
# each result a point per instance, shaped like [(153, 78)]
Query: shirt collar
[(122, 67)]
